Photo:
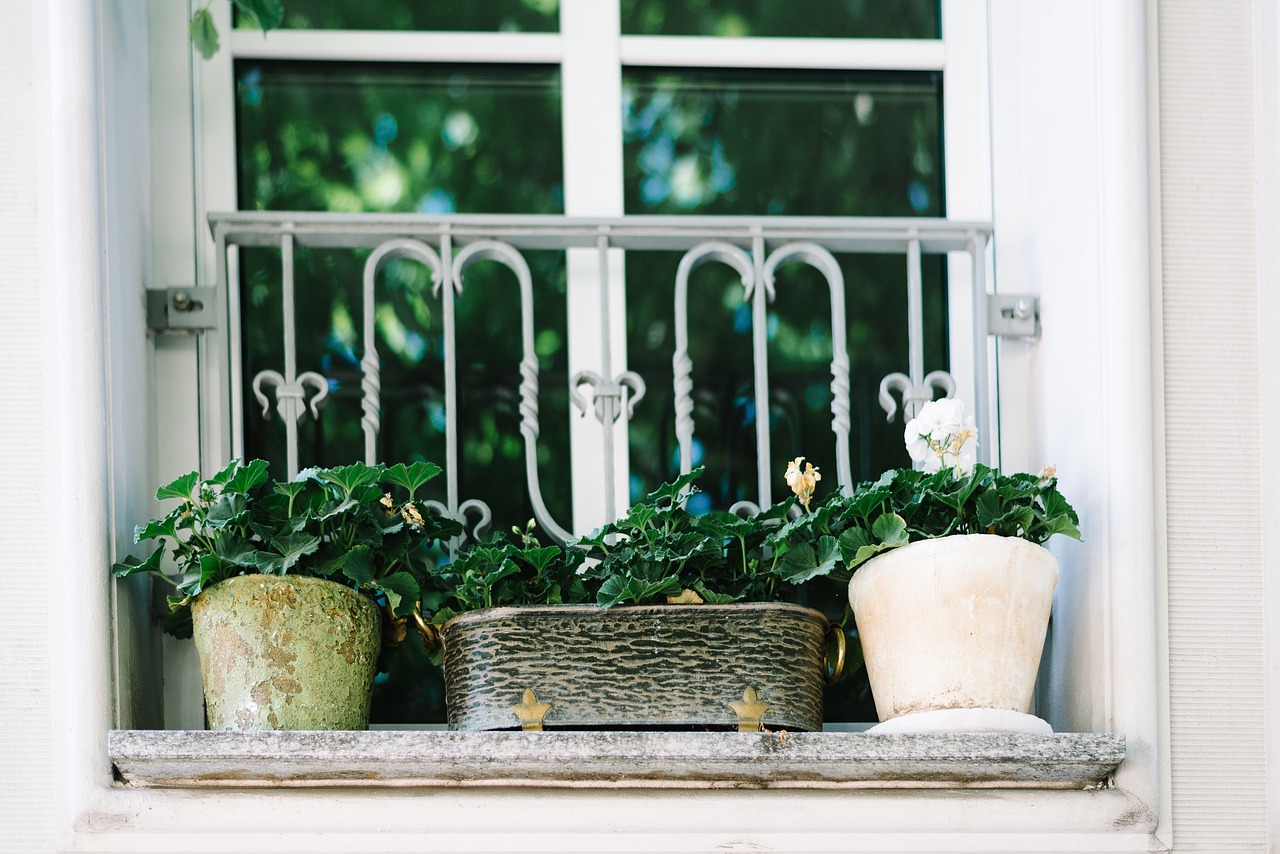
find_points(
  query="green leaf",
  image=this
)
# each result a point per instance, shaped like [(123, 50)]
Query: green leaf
[(1062, 525), (132, 565), (290, 490), (221, 478), (180, 489), (358, 565), (890, 529), (229, 509), (670, 492), (177, 622), (713, 598), (989, 509), (618, 590), (411, 477), (166, 527), (850, 542), (294, 547), (809, 560), (236, 551), (266, 13), (349, 478), (204, 35), (857, 546), (402, 592), (540, 558), (865, 503), (247, 477), (197, 578)]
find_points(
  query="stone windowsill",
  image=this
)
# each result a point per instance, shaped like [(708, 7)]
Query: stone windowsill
[(155, 758)]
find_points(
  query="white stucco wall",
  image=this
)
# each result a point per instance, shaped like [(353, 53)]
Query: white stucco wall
[(25, 705)]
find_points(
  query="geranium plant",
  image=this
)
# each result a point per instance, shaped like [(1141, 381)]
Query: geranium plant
[(949, 494), (359, 525), (658, 552)]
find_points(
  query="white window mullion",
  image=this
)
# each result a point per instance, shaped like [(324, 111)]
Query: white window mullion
[(592, 121), (215, 155), (967, 155), (375, 46), (756, 52)]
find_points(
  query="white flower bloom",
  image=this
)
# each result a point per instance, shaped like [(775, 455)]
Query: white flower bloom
[(940, 436)]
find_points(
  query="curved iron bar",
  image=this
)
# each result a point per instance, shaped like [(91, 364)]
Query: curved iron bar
[(825, 263), (916, 387), (472, 532), (370, 365), (287, 391), (505, 254), (681, 364), (913, 396)]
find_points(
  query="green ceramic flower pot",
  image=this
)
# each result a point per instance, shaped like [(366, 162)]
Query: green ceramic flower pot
[(286, 653)]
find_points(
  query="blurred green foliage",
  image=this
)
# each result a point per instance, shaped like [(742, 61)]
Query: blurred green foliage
[(865, 19), (534, 16)]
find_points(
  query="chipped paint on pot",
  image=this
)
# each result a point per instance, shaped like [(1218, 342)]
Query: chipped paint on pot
[(954, 623), (286, 652)]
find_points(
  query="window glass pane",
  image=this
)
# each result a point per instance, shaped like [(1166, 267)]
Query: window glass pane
[(531, 16), (431, 139), (866, 19), (778, 144)]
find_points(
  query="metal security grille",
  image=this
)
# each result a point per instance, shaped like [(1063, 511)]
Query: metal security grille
[(754, 248)]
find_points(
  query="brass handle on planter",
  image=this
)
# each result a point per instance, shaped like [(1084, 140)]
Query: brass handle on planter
[(430, 634), (835, 638)]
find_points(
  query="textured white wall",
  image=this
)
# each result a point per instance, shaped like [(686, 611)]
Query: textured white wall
[(25, 730), (1214, 445)]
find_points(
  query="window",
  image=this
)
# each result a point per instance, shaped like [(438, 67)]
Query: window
[(497, 124)]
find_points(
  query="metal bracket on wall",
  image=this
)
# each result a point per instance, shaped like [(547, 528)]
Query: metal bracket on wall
[(181, 309), (1013, 315)]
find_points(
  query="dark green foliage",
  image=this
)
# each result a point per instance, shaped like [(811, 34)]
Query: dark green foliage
[(905, 506), (345, 524), (660, 549)]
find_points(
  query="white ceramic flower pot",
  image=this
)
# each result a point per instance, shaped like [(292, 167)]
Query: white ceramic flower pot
[(952, 630)]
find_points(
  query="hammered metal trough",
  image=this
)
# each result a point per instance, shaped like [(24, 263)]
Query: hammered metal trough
[(742, 666)]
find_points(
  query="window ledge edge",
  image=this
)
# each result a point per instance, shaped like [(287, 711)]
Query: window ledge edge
[(613, 760)]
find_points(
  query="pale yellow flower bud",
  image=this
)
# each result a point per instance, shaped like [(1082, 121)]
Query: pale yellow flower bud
[(413, 517), (802, 483)]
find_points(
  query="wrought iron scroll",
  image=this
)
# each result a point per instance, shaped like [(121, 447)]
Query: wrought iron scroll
[(681, 363), (825, 263), (290, 387), (370, 366), (504, 254), (370, 363), (918, 388)]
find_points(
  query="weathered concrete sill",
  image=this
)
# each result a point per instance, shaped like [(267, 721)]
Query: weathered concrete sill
[(612, 759)]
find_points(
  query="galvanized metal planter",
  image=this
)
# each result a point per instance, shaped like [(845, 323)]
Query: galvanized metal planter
[(746, 666)]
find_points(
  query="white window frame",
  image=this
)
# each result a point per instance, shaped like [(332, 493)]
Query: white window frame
[(1049, 177)]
